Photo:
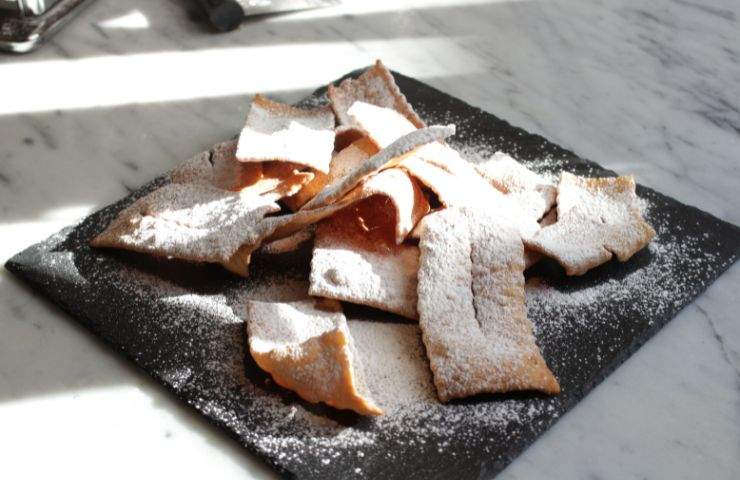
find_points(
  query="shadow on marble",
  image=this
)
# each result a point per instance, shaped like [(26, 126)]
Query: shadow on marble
[(180, 25), (177, 25)]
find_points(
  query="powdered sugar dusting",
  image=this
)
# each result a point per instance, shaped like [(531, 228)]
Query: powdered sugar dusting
[(557, 305), (395, 366), (188, 221), (597, 218), (207, 360), (186, 327)]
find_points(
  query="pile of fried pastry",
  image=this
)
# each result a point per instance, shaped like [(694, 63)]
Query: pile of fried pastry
[(399, 221)]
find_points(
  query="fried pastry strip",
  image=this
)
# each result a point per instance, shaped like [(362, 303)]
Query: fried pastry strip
[(471, 307), (597, 218), (306, 346), (279, 132)]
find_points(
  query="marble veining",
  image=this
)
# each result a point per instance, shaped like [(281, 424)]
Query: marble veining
[(650, 88)]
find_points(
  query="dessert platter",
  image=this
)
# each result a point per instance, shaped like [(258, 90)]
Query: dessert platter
[(382, 280)]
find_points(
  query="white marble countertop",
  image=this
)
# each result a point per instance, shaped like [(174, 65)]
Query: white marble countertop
[(133, 86)]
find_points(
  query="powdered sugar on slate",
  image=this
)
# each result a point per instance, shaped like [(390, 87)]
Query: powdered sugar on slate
[(209, 364), (209, 359), (186, 328), (589, 305)]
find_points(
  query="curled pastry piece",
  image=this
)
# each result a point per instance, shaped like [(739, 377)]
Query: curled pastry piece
[(280, 180), (279, 132), (342, 163), (408, 201), (440, 167), (375, 86), (531, 192), (358, 257), (452, 178), (272, 229), (347, 190), (192, 222), (306, 346), (387, 157), (597, 218), (455, 181), (471, 306), (345, 135)]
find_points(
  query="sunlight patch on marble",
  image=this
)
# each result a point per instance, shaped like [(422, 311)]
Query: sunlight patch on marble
[(68, 213), (105, 419), (133, 20), (114, 80), (37, 229), (33, 232)]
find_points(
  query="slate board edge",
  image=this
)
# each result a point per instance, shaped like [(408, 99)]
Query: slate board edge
[(573, 397), (16, 266), (18, 269)]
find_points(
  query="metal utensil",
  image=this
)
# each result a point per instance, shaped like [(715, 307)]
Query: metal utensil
[(25, 24), (226, 15)]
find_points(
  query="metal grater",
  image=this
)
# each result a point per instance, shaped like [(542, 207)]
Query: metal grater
[(25, 24)]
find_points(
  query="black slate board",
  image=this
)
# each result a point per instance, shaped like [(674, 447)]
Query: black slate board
[(181, 323)]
